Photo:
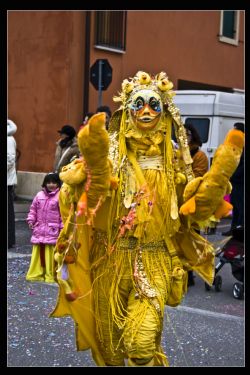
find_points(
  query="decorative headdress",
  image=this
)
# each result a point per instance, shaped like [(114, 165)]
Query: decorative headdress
[(141, 81)]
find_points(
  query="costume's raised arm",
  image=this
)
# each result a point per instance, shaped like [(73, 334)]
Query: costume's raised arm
[(86, 182), (203, 196), (93, 142)]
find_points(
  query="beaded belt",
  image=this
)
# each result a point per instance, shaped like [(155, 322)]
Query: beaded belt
[(131, 243), (151, 162)]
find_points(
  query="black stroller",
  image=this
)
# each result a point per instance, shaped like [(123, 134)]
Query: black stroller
[(232, 252)]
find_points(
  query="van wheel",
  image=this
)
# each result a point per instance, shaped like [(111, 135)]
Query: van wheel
[(238, 291), (217, 283)]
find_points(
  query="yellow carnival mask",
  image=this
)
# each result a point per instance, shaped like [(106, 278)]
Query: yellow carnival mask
[(145, 108)]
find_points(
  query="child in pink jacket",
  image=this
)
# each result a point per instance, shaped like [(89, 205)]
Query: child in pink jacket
[(45, 221)]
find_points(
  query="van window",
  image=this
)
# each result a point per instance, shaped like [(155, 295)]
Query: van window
[(201, 125)]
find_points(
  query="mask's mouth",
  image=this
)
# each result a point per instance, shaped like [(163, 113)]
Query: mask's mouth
[(146, 119)]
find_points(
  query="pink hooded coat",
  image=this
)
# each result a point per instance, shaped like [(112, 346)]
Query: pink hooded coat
[(45, 217)]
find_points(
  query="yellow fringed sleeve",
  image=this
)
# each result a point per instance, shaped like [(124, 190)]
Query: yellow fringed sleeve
[(203, 196)]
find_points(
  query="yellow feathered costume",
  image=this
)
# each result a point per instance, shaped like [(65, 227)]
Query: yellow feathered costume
[(128, 209)]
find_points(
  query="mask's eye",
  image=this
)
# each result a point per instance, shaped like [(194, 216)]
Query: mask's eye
[(138, 104), (155, 104)]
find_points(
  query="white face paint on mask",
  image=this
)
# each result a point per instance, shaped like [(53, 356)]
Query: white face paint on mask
[(146, 109)]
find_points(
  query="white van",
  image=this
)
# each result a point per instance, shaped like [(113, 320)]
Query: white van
[(212, 113)]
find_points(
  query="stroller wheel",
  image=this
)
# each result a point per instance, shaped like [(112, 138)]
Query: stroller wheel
[(238, 291), (217, 283), (207, 287)]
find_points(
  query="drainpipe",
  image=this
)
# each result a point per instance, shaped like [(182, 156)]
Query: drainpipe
[(86, 63)]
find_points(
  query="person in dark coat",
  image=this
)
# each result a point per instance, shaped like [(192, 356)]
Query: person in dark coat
[(199, 166), (67, 148), (200, 160)]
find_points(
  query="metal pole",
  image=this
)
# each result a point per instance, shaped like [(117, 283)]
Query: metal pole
[(86, 65), (100, 83)]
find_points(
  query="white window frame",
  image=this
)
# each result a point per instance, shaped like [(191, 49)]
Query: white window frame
[(235, 40)]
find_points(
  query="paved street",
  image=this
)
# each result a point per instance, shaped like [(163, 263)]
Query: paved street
[(206, 330)]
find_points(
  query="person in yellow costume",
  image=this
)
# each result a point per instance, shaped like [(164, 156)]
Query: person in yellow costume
[(129, 207)]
